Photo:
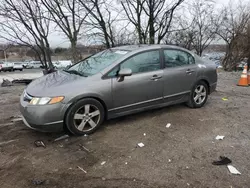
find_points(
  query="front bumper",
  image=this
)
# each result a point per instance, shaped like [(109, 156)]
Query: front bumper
[(45, 118)]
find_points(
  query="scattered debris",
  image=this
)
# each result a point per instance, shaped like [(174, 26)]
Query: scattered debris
[(140, 145), (225, 99), (86, 135), (168, 125), (144, 134), (7, 142), (223, 161), (103, 163), (82, 169), (188, 184), (169, 160), (126, 163), (17, 119), (83, 147), (6, 83), (103, 178), (233, 170), (38, 182), (22, 81), (39, 143), (61, 138), (6, 124), (219, 137)]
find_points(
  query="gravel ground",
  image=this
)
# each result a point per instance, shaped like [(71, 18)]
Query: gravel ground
[(179, 156)]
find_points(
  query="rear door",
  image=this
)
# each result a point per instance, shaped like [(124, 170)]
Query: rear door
[(180, 74), (144, 87)]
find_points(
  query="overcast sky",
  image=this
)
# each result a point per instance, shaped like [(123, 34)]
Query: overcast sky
[(61, 41), (58, 40)]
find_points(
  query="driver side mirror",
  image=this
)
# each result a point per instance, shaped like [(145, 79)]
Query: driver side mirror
[(122, 73)]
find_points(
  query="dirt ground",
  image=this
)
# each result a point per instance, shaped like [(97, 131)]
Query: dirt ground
[(179, 156)]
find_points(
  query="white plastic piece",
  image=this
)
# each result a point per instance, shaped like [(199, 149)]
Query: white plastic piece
[(168, 125), (219, 137), (233, 170), (141, 145)]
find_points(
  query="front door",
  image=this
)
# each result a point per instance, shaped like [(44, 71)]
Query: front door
[(179, 74), (144, 87)]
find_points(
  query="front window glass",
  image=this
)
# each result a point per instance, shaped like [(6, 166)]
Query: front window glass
[(96, 63), (143, 62)]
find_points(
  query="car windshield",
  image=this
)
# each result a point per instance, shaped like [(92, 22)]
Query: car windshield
[(96, 63)]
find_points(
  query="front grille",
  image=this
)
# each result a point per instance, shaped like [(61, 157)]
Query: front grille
[(27, 97)]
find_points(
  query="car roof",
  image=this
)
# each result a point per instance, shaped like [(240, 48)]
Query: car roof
[(146, 47)]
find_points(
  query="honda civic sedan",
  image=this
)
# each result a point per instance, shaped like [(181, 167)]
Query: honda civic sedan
[(117, 82)]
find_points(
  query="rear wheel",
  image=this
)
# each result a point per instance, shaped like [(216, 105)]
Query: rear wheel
[(85, 116), (199, 95)]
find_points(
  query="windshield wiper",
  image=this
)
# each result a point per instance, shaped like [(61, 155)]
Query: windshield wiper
[(75, 72)]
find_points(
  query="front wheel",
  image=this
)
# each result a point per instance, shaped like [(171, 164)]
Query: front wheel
[(199, 95), (85, 116)]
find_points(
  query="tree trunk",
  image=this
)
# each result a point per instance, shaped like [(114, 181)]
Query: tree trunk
[(151, 30), (73, 51), (248, 61), (48, 56)]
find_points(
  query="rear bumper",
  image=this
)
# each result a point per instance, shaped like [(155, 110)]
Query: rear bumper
[(6, 68), (18, 68)]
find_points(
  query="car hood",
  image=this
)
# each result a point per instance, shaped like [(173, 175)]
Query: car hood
[(53, 84)]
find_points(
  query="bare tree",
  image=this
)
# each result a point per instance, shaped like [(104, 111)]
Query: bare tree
[(181, 33), (203, 26), (100, 19), (233, 26), (25, 24), (69, 16), (3, 50), (247, 45), (134, 12), (158, 15)]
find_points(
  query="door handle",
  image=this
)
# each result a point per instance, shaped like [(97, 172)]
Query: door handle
[(156, 77), (189, 71)]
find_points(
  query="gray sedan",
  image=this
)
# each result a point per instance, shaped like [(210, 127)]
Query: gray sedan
[(117, 82)]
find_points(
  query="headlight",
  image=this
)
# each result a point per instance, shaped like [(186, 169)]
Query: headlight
[(45, 100)]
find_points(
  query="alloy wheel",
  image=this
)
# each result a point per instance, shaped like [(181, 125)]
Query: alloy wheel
[(87, 117), (200, 94)]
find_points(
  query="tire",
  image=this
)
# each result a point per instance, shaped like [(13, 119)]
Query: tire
[(21, 69), (85, 122), (199, 95)]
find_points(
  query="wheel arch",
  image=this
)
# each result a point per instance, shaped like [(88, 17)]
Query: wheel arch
[(73, 101), (204, 79), (206, 82)]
